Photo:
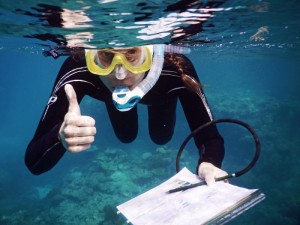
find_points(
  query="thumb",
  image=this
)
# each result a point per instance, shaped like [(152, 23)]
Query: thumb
[(72, 98), (207, 172), (210, 179)]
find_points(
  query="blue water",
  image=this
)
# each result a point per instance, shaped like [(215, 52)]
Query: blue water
[(257, 82)]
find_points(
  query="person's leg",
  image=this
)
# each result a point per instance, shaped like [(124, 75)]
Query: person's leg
[(125, 124), (161, 121)]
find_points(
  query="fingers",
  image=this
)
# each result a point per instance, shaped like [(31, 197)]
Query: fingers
[(72, 98), (209, 172), (78, 144), (210, 179), (221, 173), (217, 173), (74, 131), (78, 148), (73, 141), (79, 121), (78, 138)]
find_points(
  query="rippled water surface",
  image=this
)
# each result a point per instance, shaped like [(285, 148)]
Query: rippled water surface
[(229, 24)]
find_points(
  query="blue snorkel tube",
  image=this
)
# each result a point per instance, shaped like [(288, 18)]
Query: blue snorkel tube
[(125, 99)]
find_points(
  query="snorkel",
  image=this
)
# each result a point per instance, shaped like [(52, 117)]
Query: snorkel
[(125, 99)]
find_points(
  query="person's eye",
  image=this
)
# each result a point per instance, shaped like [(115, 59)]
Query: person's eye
[(131, 52), (130, 59), (131, 55), (107, 54)]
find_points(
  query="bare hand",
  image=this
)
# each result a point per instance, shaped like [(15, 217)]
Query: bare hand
[(209, 172), (77, 131)]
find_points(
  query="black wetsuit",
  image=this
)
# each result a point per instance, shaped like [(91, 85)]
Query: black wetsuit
[(45, 149)]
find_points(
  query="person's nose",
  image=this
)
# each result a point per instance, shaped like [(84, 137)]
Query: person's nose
[(120, 72)]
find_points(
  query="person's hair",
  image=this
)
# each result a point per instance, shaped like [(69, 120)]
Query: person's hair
[(190, 83), (78, 55)]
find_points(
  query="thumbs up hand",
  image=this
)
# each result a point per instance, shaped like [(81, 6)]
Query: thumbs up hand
[(76, 132)]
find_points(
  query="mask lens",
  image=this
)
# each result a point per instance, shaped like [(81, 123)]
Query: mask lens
[(133, 56), (105, 58), (103, 62)]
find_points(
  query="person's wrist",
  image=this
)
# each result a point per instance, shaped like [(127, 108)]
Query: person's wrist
[(59, 135)]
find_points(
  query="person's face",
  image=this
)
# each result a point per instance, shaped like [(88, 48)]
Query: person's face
[(120, 75)]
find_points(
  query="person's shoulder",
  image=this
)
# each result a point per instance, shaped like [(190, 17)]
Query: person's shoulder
[(172, 60), (173, 57), (74, 61), (78, 58)]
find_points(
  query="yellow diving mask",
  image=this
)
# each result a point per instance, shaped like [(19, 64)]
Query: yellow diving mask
[(103, 62)]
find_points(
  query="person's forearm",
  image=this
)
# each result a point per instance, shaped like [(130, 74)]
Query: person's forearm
[(213, 152), (42, 154)]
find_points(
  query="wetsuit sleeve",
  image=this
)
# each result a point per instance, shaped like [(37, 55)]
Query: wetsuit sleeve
[(45, 149), (196, 109)]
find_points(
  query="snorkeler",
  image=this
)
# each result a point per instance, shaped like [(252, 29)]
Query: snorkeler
[(123, 78)]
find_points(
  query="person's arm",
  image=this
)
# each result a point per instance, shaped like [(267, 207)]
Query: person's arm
[(209, 141), (46, 149)]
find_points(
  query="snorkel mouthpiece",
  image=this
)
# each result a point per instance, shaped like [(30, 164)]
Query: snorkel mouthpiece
[(124, 99)]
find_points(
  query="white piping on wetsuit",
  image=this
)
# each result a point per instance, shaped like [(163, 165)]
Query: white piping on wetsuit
[(201, 95), (53, 98), (45, 153), (61, 83)]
